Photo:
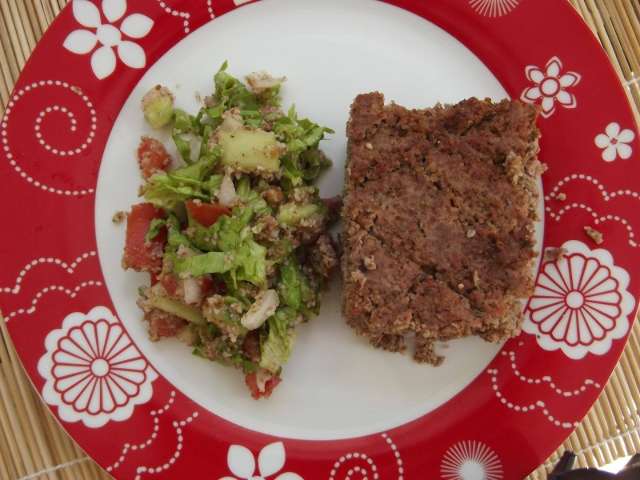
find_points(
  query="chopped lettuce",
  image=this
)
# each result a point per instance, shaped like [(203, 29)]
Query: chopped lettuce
[(198, 265), (231, 92), (247, 262), (276, 347), (251, 263), (252, 199), (182, 122), (231, 231), (299, 134), (294, 288), (156, 226), (303, 161), (175, 237), (167, 190)]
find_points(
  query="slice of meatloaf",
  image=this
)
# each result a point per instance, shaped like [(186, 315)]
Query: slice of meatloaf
[(439, 213)]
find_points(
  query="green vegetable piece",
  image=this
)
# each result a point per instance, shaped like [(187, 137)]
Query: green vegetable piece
[(179, 309), (168, 190), (250, 198), (198, 265), (231, 92), (294, 288), (278, 344), (182, 122), (223, 312), (155, 228), (157, 106), (251, 150), (251, 262), (293, 213)]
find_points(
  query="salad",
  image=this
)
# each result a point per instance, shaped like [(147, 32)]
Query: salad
[(233, 232)]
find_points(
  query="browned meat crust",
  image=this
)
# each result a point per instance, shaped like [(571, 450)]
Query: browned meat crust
[(439, 221)]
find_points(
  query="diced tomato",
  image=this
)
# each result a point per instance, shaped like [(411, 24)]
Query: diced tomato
[(251, 346), (206, 214), (212, 286), (152, 156), (251, 379), (163, 325), (170, 283), (139, 254)]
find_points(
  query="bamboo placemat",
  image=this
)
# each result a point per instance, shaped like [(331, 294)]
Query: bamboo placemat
[(34, 447)]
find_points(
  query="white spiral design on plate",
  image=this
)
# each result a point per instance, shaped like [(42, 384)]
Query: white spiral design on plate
[(73, 126)]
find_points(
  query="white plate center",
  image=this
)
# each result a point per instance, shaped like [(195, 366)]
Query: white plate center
[(335, 385)]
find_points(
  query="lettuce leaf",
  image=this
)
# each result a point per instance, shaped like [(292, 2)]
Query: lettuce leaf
[(303, 160), (232, 230), (154, 229), (231, 92), (294, 287), (167, 190), (175, 237), (198, 265), (276, 347), (252, 199), (251, 263), (299, 133)]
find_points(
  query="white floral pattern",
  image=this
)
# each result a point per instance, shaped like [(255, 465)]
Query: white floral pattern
[(93, 371), (271, 460), (108, 36), (493, 8), (580, 303), (615, 142), (551, 87), (470, 460)]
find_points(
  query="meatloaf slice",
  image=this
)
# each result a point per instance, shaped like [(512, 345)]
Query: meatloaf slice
[(439, 212)]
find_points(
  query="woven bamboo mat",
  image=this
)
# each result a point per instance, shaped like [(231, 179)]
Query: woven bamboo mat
[(33, 446)]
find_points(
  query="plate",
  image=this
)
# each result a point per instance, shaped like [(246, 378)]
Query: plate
[(344, 410)]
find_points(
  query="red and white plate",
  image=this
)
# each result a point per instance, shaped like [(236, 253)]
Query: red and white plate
[(344, 410)]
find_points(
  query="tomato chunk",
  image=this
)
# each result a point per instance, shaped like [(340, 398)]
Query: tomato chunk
[(163, 325), (170, 283), (152, 157), (251, 379), (139, 254), (206, 214), (251, 346)]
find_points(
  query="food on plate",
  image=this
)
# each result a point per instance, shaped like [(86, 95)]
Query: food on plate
[(595, 235), (233, 232), (439, 218)]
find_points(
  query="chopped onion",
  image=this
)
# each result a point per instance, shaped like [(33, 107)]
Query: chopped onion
[(261, 81), (227, 195), (264, 306), (192, 291), (262, 377), (196, 145)]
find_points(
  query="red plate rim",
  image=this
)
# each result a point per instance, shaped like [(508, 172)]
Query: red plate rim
[(580, 315)]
